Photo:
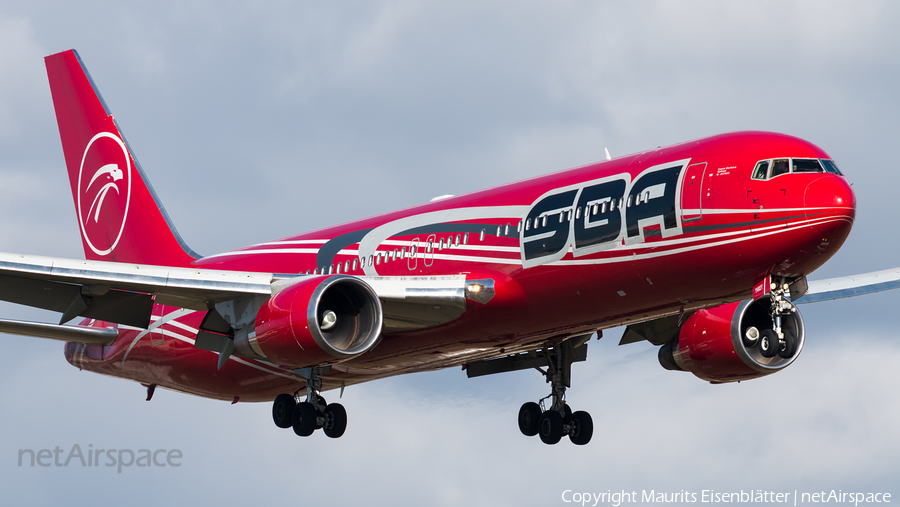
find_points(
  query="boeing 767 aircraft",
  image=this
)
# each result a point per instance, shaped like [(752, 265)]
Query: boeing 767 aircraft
[(701, 248)]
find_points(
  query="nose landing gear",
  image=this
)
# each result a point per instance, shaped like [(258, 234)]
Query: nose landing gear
[(779, 341)]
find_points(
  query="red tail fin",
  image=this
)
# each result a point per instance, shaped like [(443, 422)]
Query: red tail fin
[(120, 217)]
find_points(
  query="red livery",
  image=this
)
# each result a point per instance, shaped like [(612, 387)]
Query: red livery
[(701, 248)]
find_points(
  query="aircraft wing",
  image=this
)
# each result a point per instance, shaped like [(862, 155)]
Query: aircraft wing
[(849, 286), (125, 293)]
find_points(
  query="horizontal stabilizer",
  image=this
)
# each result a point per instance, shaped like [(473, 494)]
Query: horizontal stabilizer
[(77, 334)]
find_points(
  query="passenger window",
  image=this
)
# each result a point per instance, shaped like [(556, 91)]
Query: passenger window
[(466, 239), (355, 264), (806, 165), (830, 167), (780, 166), (761, 170)]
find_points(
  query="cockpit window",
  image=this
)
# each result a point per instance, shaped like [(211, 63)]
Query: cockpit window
[(762, 169), (780, 166), (806, 165), (830, 167)]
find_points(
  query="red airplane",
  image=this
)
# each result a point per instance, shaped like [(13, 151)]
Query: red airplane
[(701, 248)]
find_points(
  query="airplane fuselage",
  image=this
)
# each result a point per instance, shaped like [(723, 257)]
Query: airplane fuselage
[(677, 228)]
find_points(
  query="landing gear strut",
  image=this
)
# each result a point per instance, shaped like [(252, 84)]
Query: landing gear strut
[(314, 413), (551, 417), (779, 341)]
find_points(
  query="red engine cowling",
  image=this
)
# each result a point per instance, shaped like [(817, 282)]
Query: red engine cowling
[(317, 321), (714, 343)]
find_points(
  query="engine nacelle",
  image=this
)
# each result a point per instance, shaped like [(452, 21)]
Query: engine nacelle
[(316, 321), (729, 343)]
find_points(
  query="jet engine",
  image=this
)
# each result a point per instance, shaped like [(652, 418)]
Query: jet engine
[(316, 321), (737, 341)]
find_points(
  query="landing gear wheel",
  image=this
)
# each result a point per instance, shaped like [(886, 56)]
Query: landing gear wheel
[(789, 347), (335, 420), (529, 419), (321, 405), (304, 419), (567, 416), (768, 343), (283, 410), (551, 426), (582, 428)]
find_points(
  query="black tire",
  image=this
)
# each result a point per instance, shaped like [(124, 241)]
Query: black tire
[(583, 428), (768, 343), (568, 414), (789, 347), (283, 410), (335, 420), (551, 427), (322, 402), (304, 419), (529, 419)]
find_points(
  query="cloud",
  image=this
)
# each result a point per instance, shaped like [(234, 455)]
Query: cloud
[(22, 78), (256, 121), (820, 424)]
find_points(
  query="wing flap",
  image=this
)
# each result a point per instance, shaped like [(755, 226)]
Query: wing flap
[(196, 289)]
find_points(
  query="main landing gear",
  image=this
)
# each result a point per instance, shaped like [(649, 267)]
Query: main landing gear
[(550, 417), (556, 420), (314, 413)]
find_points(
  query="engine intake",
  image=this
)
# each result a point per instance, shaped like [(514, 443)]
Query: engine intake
[(734, 342), (318, 320)]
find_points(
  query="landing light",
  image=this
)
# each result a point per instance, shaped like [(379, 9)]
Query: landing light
[(475, 288), (329, 319)]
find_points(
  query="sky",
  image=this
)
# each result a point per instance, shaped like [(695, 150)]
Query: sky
[(258, 120)]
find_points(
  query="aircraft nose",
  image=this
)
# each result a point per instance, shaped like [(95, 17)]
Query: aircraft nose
[(830, 208)]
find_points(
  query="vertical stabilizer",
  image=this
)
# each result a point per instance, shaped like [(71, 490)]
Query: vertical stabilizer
[(119, 215)]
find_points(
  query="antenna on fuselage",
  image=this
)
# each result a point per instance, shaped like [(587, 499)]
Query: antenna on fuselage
[(606, 150)]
